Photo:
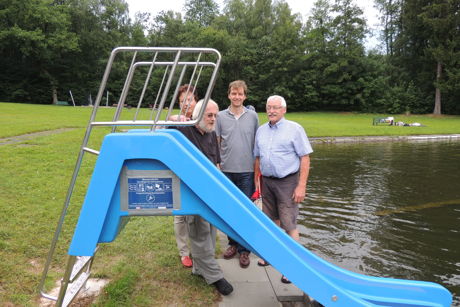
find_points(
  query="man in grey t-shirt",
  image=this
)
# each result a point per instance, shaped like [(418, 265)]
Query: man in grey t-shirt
[(236, 129)]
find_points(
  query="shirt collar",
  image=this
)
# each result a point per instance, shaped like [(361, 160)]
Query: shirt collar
[(244, 111), (199, 131), (277, 124)]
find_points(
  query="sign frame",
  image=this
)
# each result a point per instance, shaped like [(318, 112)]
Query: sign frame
[(149, 192)]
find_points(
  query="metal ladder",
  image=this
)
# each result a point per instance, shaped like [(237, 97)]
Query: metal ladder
[(174, 66)]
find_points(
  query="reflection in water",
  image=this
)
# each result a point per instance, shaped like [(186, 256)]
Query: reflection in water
[(386, 209), (419, 207)]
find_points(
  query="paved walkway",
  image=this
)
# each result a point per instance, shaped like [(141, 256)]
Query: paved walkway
[(258, 286)]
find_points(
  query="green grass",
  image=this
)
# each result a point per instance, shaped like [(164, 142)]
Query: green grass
[(17, 119), (321, 124), (142, 264)]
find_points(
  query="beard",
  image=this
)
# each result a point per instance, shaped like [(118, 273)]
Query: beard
[(206, 128)]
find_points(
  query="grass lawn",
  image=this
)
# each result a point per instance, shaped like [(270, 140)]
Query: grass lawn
[(321, 124), (142, 264), (17, 119)]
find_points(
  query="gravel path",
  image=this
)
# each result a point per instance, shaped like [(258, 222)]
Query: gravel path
[(30, 136)]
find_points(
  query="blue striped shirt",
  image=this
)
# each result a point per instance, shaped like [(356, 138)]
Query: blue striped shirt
[(280, 147)]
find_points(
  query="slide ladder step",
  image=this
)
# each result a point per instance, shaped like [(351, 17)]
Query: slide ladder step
[(74, 288), (75, 277), (81, 264)]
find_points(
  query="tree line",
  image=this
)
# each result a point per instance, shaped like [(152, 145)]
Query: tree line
[(48, 47)]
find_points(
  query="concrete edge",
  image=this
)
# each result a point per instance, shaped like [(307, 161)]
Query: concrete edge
[(362, 139)]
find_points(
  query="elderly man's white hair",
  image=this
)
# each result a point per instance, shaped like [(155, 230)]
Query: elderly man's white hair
[(199, 105), (278, 97)]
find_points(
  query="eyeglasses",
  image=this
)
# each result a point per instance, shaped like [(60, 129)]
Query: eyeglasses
[(210, 115), (273, 107)]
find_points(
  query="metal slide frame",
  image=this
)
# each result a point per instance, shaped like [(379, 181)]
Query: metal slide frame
[(178, 65)]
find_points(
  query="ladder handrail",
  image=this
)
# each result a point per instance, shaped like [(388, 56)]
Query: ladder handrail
[(170, 67)]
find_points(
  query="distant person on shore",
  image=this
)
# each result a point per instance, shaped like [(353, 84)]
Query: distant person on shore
[(202, 234), (236, 130), (282, 157)]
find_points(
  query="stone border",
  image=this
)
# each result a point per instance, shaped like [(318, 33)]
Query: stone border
[(316, 140), (362, 139)]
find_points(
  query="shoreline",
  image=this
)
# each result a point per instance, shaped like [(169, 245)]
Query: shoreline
[(399, 138)]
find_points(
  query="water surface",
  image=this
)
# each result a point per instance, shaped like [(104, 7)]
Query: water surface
[(387, 209)]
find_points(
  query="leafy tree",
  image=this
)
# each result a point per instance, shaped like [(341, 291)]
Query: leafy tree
[(35, 37), (335, 53), (285, 56), (425, 49), (50, 47), (100, 25), (202, 12), (167, 29), (390, 17), (267, 41), (441, 20), (317, 55)]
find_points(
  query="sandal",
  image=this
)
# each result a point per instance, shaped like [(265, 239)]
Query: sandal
[(262, 262), (284, 280)]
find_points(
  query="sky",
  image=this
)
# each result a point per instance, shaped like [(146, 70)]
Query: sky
[(297, 6)]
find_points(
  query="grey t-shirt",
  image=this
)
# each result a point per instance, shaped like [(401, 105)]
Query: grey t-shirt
[(237, 140)]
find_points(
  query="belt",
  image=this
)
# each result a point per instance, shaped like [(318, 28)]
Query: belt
[(277, 178)]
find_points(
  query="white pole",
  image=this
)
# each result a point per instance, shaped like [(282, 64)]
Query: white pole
[(71, 96), (107, 101)]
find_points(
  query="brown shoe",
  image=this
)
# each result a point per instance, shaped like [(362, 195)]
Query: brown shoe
[(244, 260), (230, 252)]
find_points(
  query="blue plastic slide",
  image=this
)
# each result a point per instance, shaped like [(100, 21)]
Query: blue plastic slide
[(205, 191)]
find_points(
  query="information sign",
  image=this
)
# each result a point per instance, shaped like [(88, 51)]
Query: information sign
[(150, 193)]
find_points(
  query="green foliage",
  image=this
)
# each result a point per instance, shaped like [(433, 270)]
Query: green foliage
[(321, 64), (202, 12), (428, 35), (34, 36)]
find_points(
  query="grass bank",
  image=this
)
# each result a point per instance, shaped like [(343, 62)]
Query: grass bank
[(142, 264), (18, 119)]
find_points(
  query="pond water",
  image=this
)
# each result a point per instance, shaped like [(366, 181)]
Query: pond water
[(387, 209)]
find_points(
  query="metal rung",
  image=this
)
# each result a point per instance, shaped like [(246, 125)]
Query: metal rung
[(48, 297), (94, 152), (74, 288), (79, 266)]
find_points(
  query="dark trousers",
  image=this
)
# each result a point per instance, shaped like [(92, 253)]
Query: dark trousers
[(245, 182)]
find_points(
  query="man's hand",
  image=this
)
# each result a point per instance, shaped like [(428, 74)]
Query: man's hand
[(301, 189), (299, 194)]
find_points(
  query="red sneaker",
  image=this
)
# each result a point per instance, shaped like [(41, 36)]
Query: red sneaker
[(186, 261)]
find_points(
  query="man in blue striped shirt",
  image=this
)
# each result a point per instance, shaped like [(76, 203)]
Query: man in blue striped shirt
[(281, 153)]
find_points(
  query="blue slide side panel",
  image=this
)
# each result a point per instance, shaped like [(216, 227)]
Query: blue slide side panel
[(228, 208), (112, 223), (245, 220), (97, 202)]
